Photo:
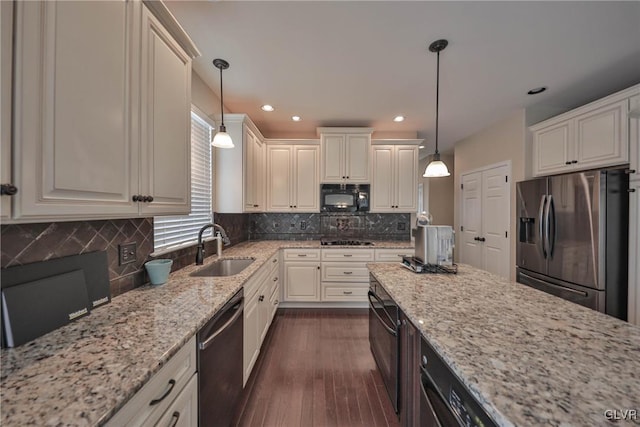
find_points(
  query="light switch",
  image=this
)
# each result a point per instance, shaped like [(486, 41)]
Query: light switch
[(127, 253)]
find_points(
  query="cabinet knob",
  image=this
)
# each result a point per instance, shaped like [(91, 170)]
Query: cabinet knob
[(290, 206), (8, 189), (147, 199), (136, 198), (343, 177), (482, 239), (629, 171), (255, 206), (631, 190), (261, 298), (295, 206), (568, 162), (574, 161), (347, 177)]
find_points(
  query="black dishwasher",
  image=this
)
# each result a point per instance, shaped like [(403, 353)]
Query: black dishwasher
[(220, 364)]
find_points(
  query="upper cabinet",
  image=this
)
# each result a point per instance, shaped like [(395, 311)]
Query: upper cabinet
[(292, 177), (634, 137), (394, 186), (101, 113), (345, 154), (240, 171), (595, 135)]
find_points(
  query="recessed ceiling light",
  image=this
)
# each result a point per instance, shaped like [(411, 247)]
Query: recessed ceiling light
[(267, 107), (398, 118), (537, 90), (421, 146), (296, 118)]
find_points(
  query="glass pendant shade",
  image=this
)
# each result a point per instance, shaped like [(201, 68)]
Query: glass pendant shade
[(436, 169), (222, 139)]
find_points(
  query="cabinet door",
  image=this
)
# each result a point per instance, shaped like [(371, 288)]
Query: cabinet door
[(406, 173), (553, 148), (357, 154), (306, 186), (634, 137), (251, 339), (165, 121), (183, 412), (634, 253), (264, 310), (382, 184), (249, 171), (6, 29), (77, 157), (302, 281), (279, 178), (260, 165), (602, 136), (333, 161)]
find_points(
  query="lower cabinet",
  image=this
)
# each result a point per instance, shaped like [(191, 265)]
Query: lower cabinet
[(261, 295), (172, 390), (634, 253), (409, 373), (302, 275)]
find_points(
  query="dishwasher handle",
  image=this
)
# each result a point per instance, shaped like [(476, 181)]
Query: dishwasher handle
[(207, 342)]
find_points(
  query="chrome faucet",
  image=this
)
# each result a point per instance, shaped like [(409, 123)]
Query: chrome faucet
[(220, 234)]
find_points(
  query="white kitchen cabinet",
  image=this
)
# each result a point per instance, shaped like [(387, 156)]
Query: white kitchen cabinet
[(592, 136), (302, 275), (258, 311), (393, 255), (254, 167), (165, 155), (292, 178), (345, 154), (394, 187), (239, 171), (634, 137), (344, 274), (6, 51), (101, 110), (183, 411), (176, 377)]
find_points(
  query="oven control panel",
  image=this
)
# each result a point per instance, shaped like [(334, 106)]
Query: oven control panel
[(465, 415)]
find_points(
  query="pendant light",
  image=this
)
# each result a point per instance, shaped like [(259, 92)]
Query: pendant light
[(222, 138), (437, 168)]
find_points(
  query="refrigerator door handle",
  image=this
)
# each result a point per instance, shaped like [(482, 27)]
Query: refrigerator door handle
[(541, 225), (551, 225)]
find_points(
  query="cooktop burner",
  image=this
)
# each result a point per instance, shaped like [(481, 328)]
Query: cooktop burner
[(345, 242)]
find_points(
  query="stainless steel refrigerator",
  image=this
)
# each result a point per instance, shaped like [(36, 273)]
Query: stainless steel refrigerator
[(572, 241)]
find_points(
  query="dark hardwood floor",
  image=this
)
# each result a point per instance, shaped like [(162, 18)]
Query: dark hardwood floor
[(316, 369)]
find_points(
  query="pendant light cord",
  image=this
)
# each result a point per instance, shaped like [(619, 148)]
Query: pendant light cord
[(222, 99), (437, 98)]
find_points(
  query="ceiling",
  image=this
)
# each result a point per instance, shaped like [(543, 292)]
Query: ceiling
[(360, 63)]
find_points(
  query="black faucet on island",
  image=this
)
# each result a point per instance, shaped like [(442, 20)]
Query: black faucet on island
[(200, 247)]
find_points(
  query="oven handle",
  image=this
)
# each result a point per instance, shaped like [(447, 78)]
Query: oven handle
[(390, 330), (426, 376)]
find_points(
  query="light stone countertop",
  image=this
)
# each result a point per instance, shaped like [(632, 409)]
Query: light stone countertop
[(81, 374), (529, 358)]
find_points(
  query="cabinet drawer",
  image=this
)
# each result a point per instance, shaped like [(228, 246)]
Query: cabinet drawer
[(274, 261), (163, 387), (302, 254), (344, 292), (183, 412), (392, 255), (347, 255), (345, 272)]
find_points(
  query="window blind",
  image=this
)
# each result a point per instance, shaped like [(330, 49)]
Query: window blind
[(176, 231)]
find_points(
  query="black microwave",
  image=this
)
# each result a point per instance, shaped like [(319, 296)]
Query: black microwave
[(344, 197)]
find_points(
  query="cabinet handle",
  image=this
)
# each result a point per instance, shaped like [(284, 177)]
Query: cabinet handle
[(135, 198), (347, 292), (172, 384), (175, 417), (568, 162), (255, 206), (276, 302), (631, 190), (8, 190), (275, 279), (274, 261), (477, 239), (574, 161), (482, 239), (347, 255), (347, 272), (261, 298), (629, 171), (303, 255)]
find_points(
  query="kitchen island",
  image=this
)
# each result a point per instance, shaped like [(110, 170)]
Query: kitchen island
[(83, 373), (529, 358)]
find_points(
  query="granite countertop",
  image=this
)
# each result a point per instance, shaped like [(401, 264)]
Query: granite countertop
[(81, 374), (528, 357)]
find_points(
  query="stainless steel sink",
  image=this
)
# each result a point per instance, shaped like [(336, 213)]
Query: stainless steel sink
[(224, 267)]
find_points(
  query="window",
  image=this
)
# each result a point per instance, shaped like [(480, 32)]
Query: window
[(172, 232)]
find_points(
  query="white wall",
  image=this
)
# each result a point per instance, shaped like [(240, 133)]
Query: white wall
[(501, 141)]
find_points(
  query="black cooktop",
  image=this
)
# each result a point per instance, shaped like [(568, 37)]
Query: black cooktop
[(344, 242)]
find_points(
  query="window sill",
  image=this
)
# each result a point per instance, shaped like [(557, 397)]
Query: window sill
[(169, 249)]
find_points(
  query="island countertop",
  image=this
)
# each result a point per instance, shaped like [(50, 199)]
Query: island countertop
[(529, 358), (81, 374)]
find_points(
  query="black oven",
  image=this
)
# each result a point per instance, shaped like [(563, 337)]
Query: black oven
[(344, 197), (384, 326), (444, 401)]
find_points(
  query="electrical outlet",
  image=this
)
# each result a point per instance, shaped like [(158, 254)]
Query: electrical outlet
[(303, 225), (402, 226), (276, 225), (127, 253)]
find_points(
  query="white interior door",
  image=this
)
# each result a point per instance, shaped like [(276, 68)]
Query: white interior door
[(495, 220), (471, 220)]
